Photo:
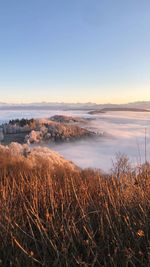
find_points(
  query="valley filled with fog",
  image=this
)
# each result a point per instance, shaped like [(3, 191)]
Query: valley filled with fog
[(120, 131)]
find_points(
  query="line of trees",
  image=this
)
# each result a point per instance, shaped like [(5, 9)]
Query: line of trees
[(22, 122)]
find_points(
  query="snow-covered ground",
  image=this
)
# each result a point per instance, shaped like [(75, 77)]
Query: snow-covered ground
[(125, 133)]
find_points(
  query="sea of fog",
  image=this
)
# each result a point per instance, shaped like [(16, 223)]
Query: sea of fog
[(124, 133)]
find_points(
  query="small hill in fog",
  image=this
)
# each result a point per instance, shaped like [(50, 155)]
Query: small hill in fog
[(104, 110)]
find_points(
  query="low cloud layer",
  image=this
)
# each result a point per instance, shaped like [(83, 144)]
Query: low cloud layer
[(124, 132)]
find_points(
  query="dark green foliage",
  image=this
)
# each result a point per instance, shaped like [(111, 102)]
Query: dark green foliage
[(22, 122)]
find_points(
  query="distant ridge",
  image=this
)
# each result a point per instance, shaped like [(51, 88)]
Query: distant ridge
[(104, 110)]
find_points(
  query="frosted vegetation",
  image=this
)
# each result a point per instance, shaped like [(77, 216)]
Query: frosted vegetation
[(57, 128), (32, 156)]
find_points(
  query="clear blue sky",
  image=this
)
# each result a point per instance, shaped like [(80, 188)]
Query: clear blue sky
[(74, 50)]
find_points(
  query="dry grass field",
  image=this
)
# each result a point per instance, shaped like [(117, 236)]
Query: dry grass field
[(54, 214)]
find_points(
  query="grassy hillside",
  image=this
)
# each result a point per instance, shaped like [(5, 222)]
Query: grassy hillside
[(54, 214)]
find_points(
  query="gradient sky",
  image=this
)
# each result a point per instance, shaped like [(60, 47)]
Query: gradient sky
[(74, 50)]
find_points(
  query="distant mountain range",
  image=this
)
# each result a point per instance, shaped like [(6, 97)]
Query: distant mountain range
[(73, 106)]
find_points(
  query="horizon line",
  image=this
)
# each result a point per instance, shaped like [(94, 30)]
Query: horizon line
[(72, 103)]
